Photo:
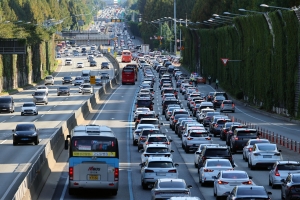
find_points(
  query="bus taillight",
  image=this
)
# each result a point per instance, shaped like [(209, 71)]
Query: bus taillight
[(71, 173), (116, 174)]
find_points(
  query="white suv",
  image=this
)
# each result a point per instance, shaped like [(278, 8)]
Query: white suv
[(155, 168), (49, 80), (156, 150), (29, 108), (157, 139)]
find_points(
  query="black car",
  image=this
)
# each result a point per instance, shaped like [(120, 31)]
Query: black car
[(104, 65), (93, 63), (240, 137), (67, 80), (144, 102), (63, 91), (249, 192), (290, 187), (25, 133), (168, 101), (231, 130), (98, 82), (7, 104), (217, 101)]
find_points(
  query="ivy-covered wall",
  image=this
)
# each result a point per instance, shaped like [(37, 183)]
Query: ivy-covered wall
[(265, 49)]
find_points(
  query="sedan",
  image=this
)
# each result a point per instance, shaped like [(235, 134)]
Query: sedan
[(104, 75), (104, 65), (248, 192), (93, 63), (25, 133), (29, 108), (166, 188), (63, 91), (67, 79), (211, 168), (249, 147), (226, 180)]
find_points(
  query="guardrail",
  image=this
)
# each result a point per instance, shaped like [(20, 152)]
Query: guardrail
[(39, 171)]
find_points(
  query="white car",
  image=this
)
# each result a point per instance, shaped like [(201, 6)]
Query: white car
[(194, 138), (85, 88), (136, 132), (198, 152), (79, 65), (29, 108), (157, 139), (263, 155), (249, 146), (211, 168), (42, 88), (226, 180), (156, 168), (138, 111), (78, 80), (156, 150), (49, 80)]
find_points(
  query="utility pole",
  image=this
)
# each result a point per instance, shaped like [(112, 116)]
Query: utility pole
[(175, 38)]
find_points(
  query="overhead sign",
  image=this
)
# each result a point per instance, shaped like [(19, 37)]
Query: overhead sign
[(92, 80), (116, 20), (224, 61)]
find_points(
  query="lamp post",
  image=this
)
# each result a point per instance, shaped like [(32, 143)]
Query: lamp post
[(267, 6), (244, 10), (175, 38)]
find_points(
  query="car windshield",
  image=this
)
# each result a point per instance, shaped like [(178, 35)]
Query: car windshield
[(27, 127), (67, 78), (234, 175), (289, 166), (173, 184), (160, 164), (41, 87), (251, 191), (144, 102), (28, 105), (39, 94), (157, 150), (218, 163), (266, 147), (49, 77), (5, 100), (78, 78), (87, 86)]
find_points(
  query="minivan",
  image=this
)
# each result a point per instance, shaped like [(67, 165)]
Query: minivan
[(40, 97), (7, 104)]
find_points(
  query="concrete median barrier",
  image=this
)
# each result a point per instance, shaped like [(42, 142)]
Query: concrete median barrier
[(46, 158)]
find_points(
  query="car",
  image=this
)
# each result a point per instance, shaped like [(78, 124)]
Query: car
[(40, 97), (263, 155), (280, 170), (67, 80), (49, 80), (214, 152), (156, 150), (138, 130), (144, 135), (104, 65), (216, 127), (139, 110), (42, 88), (167, 188), (157, 139), (208, 117), (86, 88), (80, 65), (75, 53), (249, 192), (210, 169), (78, 80), (155, 168), (240, 137), (217, 101), (29, 108), (227, 105), (63, 90), (98, 82), (58, 55), (195, 137), (150, 114), (290, 187), (225, 129), (249, 146), (7, 104), (104, 75), (226, 180), (231, 131), (25, 133), (144, 102), (93, 63), (198, 152), (99, 55)]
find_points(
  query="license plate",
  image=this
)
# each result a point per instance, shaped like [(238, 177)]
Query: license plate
[(160, 174), (267, 156), (94, 177), (24, 139)]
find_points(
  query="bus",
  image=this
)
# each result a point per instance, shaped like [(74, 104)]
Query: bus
[(93, 159), (128, 75), (126, 56)]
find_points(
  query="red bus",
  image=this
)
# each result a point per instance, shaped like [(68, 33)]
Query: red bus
[(126, 56), (128, 75)]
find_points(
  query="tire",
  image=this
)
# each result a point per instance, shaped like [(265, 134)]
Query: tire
[(114, 192), (71, 191), (37, 142), (187, 150), (22, 114), (14, 143), (58, 94), (282, 195), (270, 184), (145, 186), (196, 165)]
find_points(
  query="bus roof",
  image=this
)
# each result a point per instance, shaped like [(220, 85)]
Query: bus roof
[(92, 130)]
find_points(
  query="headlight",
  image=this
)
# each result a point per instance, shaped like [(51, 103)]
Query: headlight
[(34, 134)]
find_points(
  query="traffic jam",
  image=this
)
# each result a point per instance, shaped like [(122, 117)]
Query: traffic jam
[(198, 119)]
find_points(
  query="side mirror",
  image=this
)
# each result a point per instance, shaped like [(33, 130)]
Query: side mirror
[(176, 164), (269, 193), (66, 144), (250, 177), (190, 186), (233, 165), (172, 151), (279, 150), (197, 152)]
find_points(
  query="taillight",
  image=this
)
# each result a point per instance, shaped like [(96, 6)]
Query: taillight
[(71, 173), (168, 143), (216, 125), (222, 182), (169, 113), (172, 171), (148, 171), (208, 138), (276, 154), (247, 183), (250, 149), (236, 138), (116, 174), (189, 138), (233, 105), (146, 155), (208, 170), (276, 172)]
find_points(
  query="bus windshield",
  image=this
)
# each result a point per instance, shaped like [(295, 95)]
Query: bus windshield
[(94, 147)]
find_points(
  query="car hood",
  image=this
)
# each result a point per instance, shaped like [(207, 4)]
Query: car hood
[(24, 133), (29, 108)]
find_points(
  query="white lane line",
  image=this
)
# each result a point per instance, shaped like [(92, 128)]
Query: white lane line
[(3, 141), (42, 116), (166, 130), (3, 121)]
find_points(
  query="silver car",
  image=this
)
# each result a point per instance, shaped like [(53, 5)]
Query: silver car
[(227, 105), (165, 188), (86, 88), (40, 97), (49, 80), (29, 108)]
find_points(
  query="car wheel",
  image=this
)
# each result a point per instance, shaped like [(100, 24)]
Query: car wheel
[(114, 192), (36, 142), (187, 149), (145, 186), (57, 94), (22, 114), (14, 143), (215, 194), (273, 186), (196, 165), (36, 113), (71, 191)]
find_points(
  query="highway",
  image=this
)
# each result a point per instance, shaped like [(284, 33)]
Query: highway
[(16, 160), (117, 113)]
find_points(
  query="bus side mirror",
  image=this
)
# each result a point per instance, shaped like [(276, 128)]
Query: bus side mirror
[(66, 144)]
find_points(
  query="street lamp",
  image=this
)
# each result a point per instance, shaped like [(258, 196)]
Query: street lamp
[(175, 38), (244, 10), (267, 6)]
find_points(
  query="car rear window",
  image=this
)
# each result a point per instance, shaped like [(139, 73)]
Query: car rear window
[(221, 121), (147, 132), (149, 122), (199, 134), (172, 185), (218, 163), (234, 175), (157, 150), (267, 147), (289, 167), (160, 164), (246, 133), (144, 102), (217, 152), (140, 116), (157, 139), (251, 191)]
